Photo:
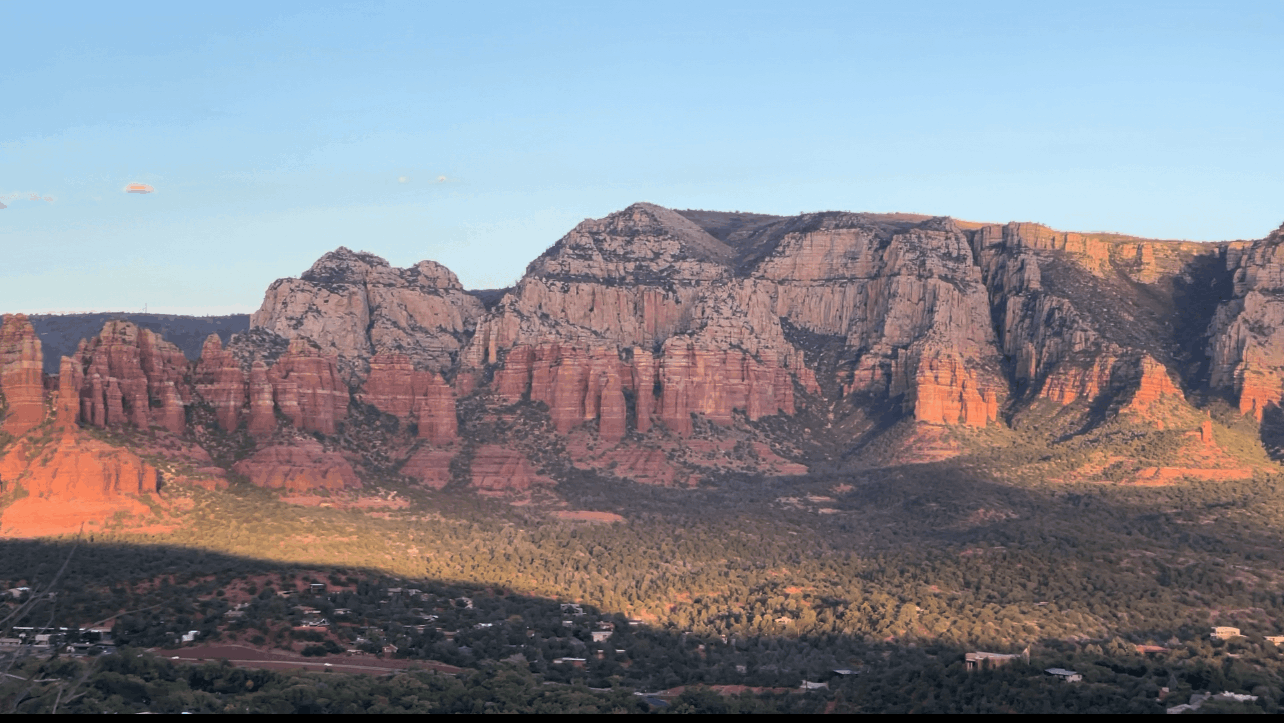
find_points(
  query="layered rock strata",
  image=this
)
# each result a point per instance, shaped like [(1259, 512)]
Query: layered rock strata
[(303, 385), (131, 376), (395, 387), (1247, 333), (21, 381), (354, 305), (302, 465)]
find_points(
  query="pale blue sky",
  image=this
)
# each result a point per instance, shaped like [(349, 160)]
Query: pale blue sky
[(274, 132)]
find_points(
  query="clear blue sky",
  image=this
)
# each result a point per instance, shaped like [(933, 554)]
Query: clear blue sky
[(274, 132)]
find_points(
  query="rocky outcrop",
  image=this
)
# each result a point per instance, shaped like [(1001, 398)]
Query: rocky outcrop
[(395, 387), (1151, 382), (354, 305), (132, 376), (1246, 337), (301, 465), (302, 385), (500, 470), (307, 387), (220, 382), (21, 381), (430, 467), (78, 467)]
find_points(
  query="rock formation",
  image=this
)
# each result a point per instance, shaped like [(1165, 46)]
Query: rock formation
[(220, 382), (303, 465), (1247, 333), (131, 376), (394, 386), (497, 469), (74, 480), (355, 305), (21, 382)]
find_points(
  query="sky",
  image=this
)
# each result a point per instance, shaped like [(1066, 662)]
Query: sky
[(477, 134)]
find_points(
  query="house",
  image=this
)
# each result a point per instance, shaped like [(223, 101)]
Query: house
[(809, 685), (784, 620), (389, 649), (1224, 633), (572, 608), (483, 626), (568, 623), (317, 588), (190, 636), (844, 671), (1277, 639), (605, 625), (575, 662), (1066, 676), (635, 622), (1197, 701), (10, 643), (981, 660), (601, 636)]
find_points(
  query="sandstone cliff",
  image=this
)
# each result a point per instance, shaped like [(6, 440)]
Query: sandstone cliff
[(1247, 333), (21, 383), (132, 376)]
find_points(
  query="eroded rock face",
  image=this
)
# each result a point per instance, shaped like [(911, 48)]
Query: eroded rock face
[(78, 467), (306, 380), (354, 305), (394, 386), (132, 376), (431, 467), (499, 470), (302, 465), (220, 382), (21, 381), (581, 330), (1246, 338)]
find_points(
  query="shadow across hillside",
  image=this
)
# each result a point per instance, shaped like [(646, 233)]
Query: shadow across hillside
[(513, 647)]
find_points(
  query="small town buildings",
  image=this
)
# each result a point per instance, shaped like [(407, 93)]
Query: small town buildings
[(574, 662), (1197, 701), (1276, 639), (601, 636), (810, 685), (190, 636), (982, 660), (317, 588), (10, 643), (1067, 676), (1224, 633)]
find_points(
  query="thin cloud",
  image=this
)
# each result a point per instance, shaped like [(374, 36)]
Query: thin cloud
[(139, 188), (403, 179), (24, 196)]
